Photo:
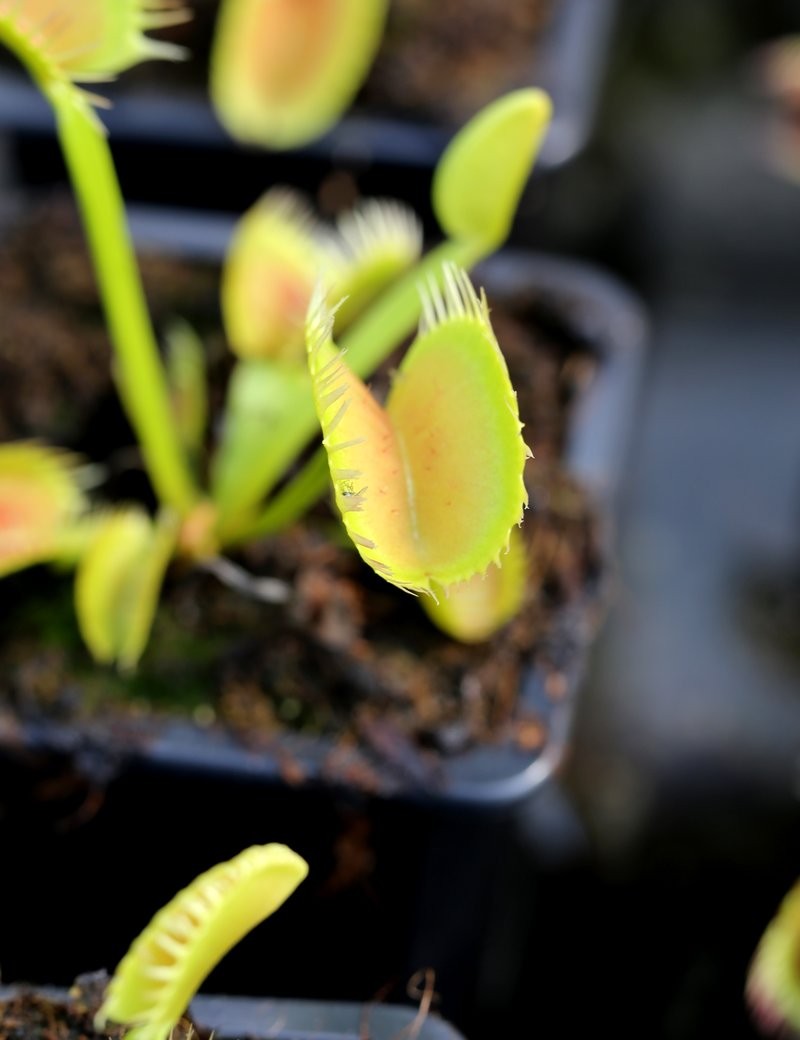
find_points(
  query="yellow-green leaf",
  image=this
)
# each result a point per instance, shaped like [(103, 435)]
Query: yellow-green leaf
[(372, 246), (773, 983), (472, 611), (270, 271), (118, 583), (87, 39), (283, 71), (186, 372), (482, 173), (40, 503), (166, 964), (429, 487)]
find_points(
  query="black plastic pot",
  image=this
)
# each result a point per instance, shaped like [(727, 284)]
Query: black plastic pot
[(424, 871), (262, 1019), (162, 137), (603, 315)]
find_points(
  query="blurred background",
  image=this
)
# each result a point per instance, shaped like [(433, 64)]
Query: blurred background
[(673, 830), (684, 774)]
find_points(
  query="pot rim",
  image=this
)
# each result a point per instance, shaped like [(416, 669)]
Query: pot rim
[(268, 1019)]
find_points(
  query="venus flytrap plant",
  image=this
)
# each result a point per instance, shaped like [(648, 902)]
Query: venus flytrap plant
[(430, 486), (473, 610), (86, 40), (282, 71), (457, 491), (495, 150), (167, 963), (277, 254), (267, 280), (773, 982), (118, 582), (41, 506), (373, 245), (477, 186), (269, 274), (279, 251)]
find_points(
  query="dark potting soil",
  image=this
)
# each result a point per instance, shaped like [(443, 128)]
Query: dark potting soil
[(31, 1015), (55, 361), (349, 656), (446, 59)]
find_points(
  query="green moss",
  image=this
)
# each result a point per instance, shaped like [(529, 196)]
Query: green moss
[(177, 672)]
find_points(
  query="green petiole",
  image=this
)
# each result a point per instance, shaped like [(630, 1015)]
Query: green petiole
[(140, 370)]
